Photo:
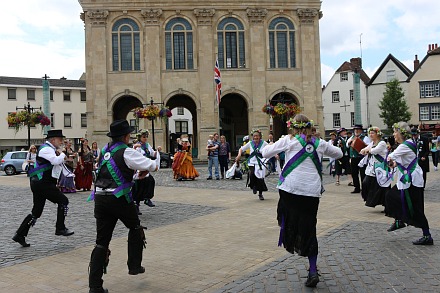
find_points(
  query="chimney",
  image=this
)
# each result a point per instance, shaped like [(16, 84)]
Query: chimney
[(436, 45), (416, 63), (429, 48), (356, 62)]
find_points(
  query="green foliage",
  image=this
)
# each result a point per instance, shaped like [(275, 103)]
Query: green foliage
[(393, 105)]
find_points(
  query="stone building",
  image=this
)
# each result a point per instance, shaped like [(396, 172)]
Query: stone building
[(268, 51)]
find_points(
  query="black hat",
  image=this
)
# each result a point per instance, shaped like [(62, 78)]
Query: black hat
[(341, 130), (415, 130), (358, 126), (55, 133), (120, 128)]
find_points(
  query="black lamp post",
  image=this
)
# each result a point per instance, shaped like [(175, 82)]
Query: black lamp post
[(29, 109), (152, 120)]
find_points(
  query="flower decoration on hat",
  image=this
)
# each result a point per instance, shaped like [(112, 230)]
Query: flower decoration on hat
[(401, 130), (143, 132), (375, 129), (292, 123), (256, 130)]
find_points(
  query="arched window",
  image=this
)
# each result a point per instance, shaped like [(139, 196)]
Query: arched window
[(230, 36), (126, 45), (179, 44), (282, 43)]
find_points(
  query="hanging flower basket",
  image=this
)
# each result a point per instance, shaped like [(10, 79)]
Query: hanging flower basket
[(268, 109), (23, 118), (165, 112), (150, 112)]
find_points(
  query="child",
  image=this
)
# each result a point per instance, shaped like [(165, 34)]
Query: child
[(210, 143)]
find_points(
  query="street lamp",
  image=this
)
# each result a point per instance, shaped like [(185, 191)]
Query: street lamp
[(152, 120), (29, 109)]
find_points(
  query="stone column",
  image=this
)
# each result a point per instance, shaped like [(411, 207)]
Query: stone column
[(207, 110), (257, 55), (311, 65), (96, 75)]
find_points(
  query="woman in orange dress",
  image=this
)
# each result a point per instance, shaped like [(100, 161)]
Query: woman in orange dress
[(183, 165)]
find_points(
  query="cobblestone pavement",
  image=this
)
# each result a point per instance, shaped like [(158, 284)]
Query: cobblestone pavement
[(17, 203), (358, 257)]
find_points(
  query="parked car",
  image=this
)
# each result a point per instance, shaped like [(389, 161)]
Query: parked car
[(166, 160), (12, 162)]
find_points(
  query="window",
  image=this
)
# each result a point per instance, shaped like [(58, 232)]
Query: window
[(180, 111), (352, 118), (134, 124), (282, 43), (429, 112), (66, 96), (52, 119), (67, 120), (51, 95), (83, 120), (351, 95), (31, 95), (424, 112), (12, 94), (430, 89), (181, 126), (83, 96), (336, 120), (230, 38), (126, 53), (344, 76), (19, 155), (391, 74), (335, 97), (179, 44)]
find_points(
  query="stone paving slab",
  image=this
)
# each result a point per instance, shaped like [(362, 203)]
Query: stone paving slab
[(357, 257)]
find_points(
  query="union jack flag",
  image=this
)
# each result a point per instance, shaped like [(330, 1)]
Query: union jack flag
[(218, 83)]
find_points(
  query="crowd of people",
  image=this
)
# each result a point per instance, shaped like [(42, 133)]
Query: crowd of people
[(123, 179)]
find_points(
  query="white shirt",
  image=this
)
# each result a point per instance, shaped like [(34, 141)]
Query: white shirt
[(135, 161), (381, 150), (150, 149), (305, 179), (249, 146), (49, 154), (404, 156)]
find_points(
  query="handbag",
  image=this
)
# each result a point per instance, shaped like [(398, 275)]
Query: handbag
[(25, 166)]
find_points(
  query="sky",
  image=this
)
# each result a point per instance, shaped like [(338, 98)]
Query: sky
[(47, 37)]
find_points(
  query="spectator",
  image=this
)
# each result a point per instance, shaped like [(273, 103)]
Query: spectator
[(213, 158), (224, 155)]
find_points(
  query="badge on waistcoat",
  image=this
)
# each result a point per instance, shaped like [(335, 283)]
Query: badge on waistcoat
[(309, 148), (107, 156)]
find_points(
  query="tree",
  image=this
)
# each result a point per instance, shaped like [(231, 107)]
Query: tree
[(393, 105)]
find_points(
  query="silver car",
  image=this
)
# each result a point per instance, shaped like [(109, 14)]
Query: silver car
[(12, 162)]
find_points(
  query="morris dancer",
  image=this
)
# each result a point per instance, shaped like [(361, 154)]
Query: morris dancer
[(144, 189), (405, 201), (44, 177), (256, 166), (372, 193), (355, 158), (113, 202), (300, 189), (182, 164)]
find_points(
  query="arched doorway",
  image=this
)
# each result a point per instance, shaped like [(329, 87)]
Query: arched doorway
[(123, 107), (183, 121), (279, 126), (234, 119)]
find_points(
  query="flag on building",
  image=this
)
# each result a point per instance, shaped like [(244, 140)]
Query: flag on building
[(218, 83)]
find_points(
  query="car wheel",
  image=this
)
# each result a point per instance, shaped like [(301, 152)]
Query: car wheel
[(163, 164), (10, 170)]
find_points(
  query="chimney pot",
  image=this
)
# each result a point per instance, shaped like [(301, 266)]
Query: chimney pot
[(429, 47), (416, 63)]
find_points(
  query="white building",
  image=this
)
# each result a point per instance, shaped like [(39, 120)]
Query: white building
[(67, 107), (391, 68), (338, 97)]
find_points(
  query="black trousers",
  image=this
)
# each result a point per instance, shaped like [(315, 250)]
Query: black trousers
[(356, 171), (223, 161), (42, 191), (108, 210)]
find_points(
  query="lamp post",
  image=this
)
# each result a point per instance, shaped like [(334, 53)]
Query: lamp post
[(152, 120), (29, 109)]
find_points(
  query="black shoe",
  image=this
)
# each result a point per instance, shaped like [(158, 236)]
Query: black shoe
[(149, 203), (180, 179), (356, 191), (254, 190), (312, 280), (64, 232), (398, 224), (20, 239), (425, 240), (209, 178), (139, 270), (260, 196), (98, 290), (217, 178)]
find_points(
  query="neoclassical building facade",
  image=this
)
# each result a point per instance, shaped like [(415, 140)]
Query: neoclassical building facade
[(268, 51)]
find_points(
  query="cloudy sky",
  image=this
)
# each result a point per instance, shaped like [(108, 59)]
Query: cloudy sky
[(47, 37)]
